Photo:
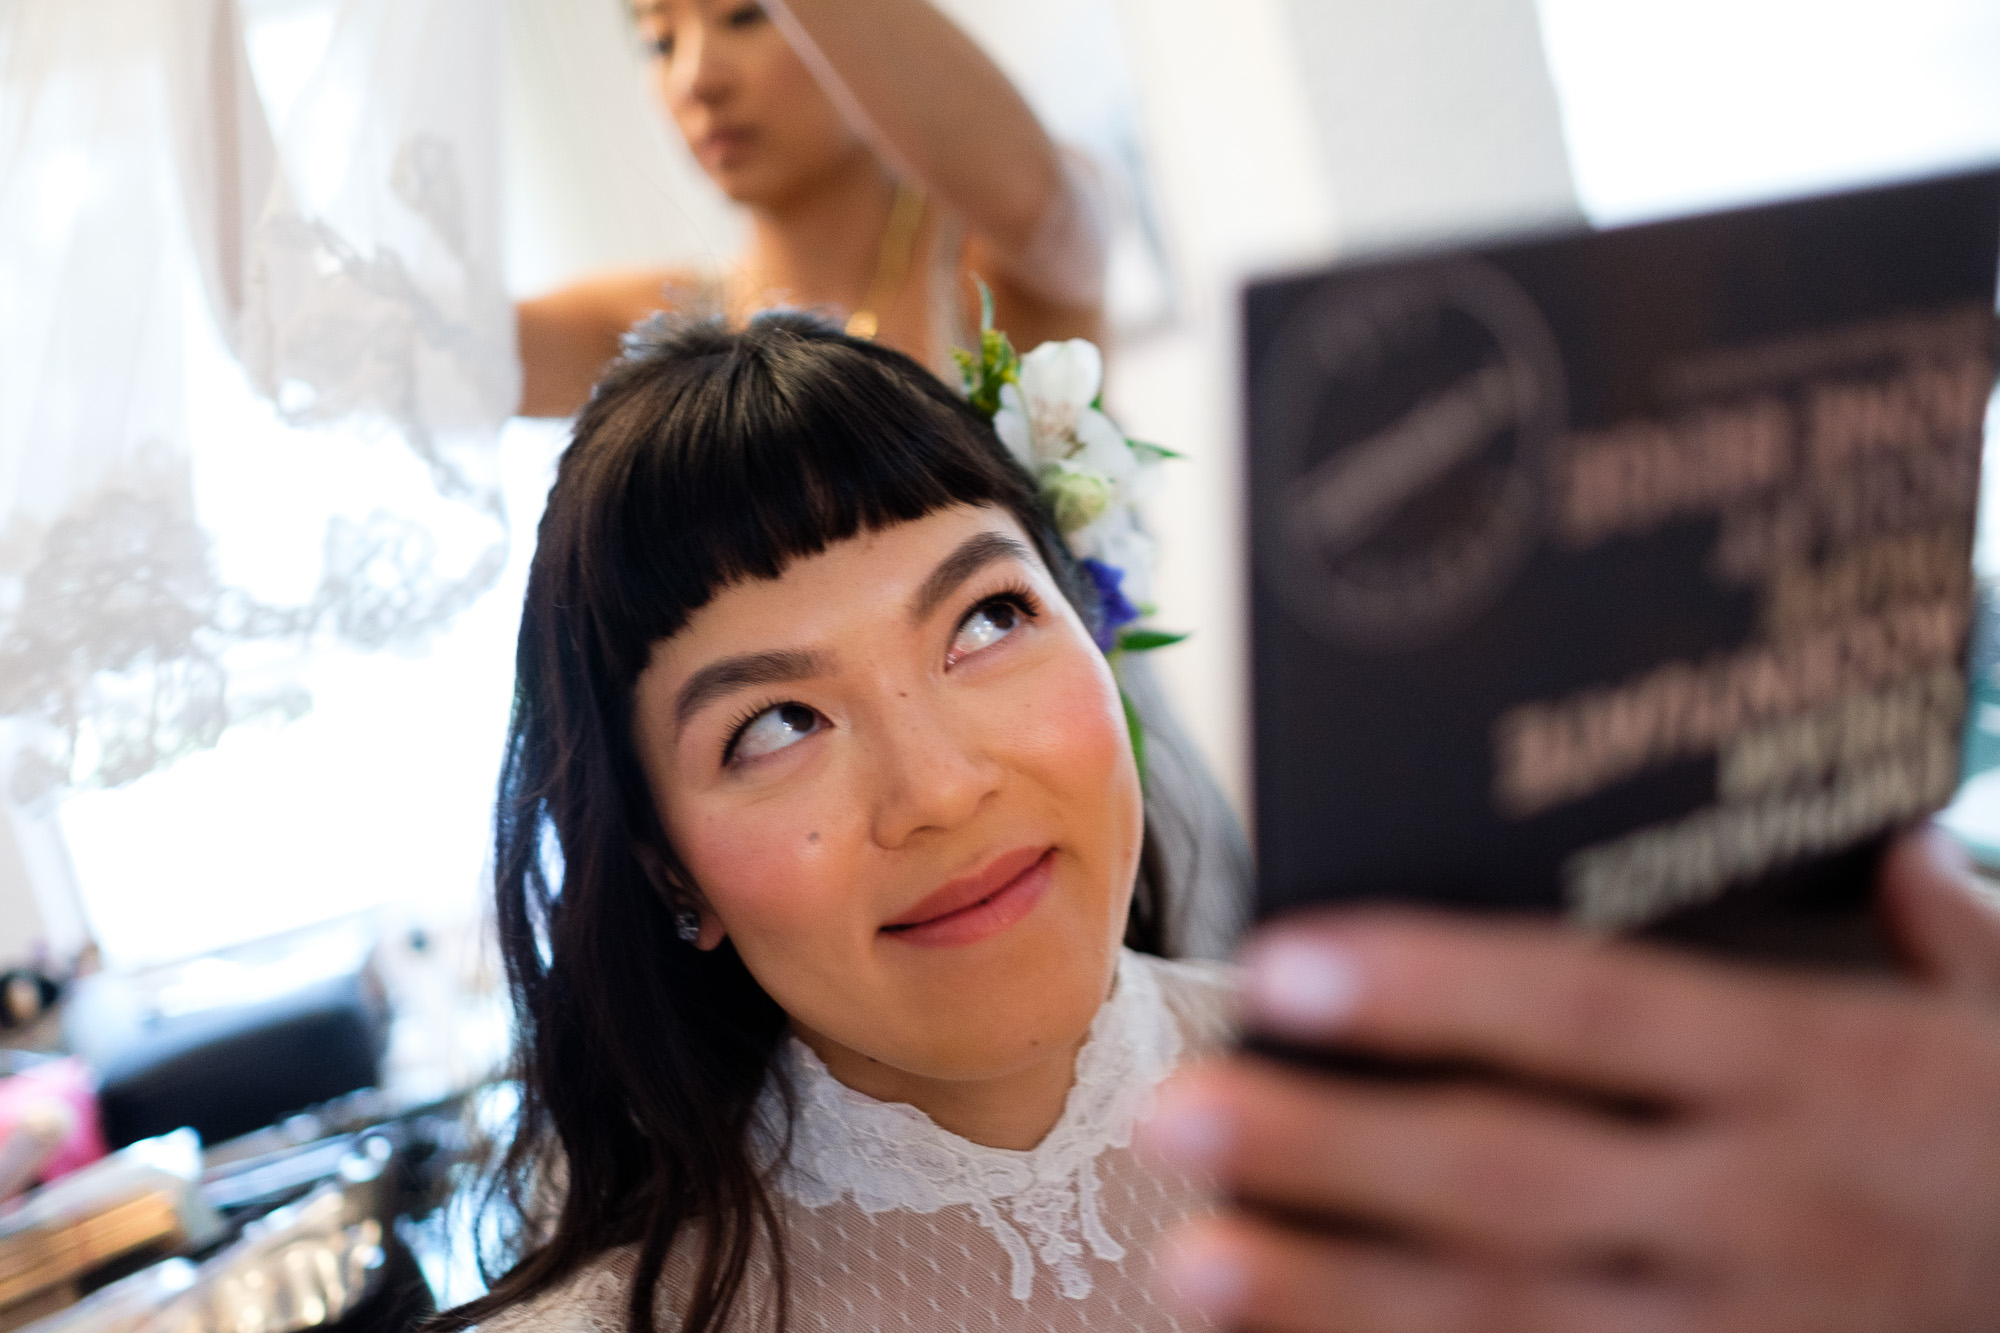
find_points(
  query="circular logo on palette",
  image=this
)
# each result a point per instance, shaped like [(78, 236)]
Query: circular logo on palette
[(1412, 418)]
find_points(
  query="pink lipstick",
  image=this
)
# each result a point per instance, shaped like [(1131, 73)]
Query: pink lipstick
[(978, 906)]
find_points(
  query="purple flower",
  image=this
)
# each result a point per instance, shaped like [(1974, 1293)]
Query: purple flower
[(1118, 612)]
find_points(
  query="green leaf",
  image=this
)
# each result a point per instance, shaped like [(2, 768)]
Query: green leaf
[(1137, 733), (1146, 640), (1156, 450), (993, 366)]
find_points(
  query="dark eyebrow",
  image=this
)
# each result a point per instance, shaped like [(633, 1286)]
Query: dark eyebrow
[(973, 554), (733, 673)]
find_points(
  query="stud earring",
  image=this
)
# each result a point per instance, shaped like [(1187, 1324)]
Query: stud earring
[(687, 924)]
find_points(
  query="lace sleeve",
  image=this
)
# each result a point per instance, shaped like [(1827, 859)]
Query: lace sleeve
[(592, 1301)]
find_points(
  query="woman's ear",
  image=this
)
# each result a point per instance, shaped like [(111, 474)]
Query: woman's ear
[(681, 899)]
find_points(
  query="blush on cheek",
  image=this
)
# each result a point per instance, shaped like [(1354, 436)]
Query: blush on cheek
[(1077, 730), (759, 879), (1090, 727), (1076, 748)]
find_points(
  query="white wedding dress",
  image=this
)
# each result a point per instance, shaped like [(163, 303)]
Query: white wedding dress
[(891, 1222)]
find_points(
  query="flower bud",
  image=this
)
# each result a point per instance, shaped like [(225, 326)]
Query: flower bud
[(1078, 498)]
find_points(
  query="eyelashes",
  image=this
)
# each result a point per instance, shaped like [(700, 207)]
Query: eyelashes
[(1015, 595), (1005, 611), (742, 724)]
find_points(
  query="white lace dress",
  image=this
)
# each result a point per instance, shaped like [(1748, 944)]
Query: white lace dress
[(893, 1223)]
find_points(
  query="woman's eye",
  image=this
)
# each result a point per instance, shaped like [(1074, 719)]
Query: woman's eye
[(989, 623), (744, 16), (772, 730), (663, 45)]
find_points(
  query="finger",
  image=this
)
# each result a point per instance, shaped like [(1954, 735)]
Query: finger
[(1243, 1273), (1535, 999), (1247, 1273), (1945, 927), (1465, 1167)]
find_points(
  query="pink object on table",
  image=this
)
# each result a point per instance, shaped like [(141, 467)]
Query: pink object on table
[(69, 1083)]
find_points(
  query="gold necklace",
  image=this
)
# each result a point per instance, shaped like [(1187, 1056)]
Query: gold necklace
[(892, 258)]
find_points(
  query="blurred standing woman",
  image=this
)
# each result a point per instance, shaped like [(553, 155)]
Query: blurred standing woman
[(884, 161)]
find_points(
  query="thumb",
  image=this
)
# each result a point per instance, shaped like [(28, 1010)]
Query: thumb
[(1945, 927)]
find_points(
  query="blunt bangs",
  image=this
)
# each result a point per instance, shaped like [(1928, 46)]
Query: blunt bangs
[(707, 458)]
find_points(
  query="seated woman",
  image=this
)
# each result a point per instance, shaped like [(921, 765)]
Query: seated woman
[(822, 872), (882, 159)]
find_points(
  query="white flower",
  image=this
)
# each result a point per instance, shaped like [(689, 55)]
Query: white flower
[(1059, 380), (1147, 477), (1117, 540), (1047, 416), (1010, 423), (1089, 474), (1100, 447)]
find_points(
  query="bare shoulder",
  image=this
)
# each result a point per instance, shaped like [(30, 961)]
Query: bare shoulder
[(1201, 997)]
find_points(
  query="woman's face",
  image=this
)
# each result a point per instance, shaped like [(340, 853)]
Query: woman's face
[(752, 113), (900, 777)]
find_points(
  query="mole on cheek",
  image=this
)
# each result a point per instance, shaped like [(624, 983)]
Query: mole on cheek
[(812, 837)]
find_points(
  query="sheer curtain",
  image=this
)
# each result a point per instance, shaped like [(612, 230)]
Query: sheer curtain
[(251, 385)]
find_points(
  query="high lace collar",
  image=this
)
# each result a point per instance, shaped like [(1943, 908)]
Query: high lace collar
[(890, 1155)]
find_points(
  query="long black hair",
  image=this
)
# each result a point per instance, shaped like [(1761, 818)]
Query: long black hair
[(705, 457)]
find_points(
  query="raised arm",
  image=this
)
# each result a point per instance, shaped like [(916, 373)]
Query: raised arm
[(937, 107), (568, 336)]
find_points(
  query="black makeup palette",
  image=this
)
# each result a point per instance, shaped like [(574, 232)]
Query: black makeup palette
[(1625, 574)]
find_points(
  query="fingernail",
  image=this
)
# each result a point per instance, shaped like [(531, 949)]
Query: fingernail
[(1189, 1131), (1206, 1275), (1945, 852), (1301, 983)]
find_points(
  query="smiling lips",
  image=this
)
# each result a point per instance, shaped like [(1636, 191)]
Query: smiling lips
[(980, 905), (724, 144)]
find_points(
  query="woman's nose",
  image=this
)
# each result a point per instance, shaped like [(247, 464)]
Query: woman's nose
[(706, 71), (931, 774)]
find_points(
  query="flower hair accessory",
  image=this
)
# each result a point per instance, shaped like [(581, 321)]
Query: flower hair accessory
[(1047, 408)]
